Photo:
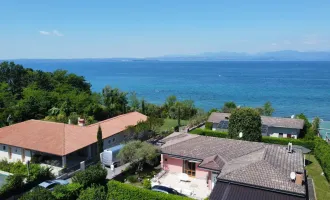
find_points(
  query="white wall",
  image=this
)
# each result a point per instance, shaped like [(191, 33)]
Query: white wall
[(114, 140), (16, 153)]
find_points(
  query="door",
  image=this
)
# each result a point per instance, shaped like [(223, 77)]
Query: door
[(189, 168), (9, 152)]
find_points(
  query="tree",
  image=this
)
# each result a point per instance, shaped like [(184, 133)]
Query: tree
[(306, 127), (246, 121), (179, 116), (268, 109), (95, 174), (143, 109), (99, 142), (134, 102), (138, 153), (316, 125), (228, 107)]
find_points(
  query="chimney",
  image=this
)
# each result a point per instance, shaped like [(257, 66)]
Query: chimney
[(299, 179), (290, 147), (81, 122)]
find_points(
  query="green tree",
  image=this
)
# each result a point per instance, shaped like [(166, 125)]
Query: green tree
[(138, 153), (179, 116), (143, 108), (306, 127), (99, 142), (95, 174), (67, 192), (268, 109), (316, 125), (228, 107), (246, 121), (134, 102)]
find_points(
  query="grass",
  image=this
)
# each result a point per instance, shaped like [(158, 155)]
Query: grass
[(314, 170), (171, 123)]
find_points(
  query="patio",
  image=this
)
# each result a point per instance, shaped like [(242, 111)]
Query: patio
[(194, 188)]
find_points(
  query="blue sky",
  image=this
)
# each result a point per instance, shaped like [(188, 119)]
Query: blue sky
[(103, 29)]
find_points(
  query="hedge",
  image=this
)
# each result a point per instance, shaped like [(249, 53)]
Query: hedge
[(208, 125), (93, 174), (38, 193), (322, 154), (200, 131), (122, 191), (95, 192), (266, 139), (67, 192)]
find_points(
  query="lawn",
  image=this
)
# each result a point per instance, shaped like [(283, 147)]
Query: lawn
[(171, 123), (314, 170)]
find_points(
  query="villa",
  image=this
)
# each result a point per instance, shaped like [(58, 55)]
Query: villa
[(271, 126), (66, 143), (201, 166)]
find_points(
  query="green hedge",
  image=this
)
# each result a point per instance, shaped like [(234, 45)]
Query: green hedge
[(266, 139), (200, 131), (67, 192), (122, 191), (208, 125), (322, 154), (94, 174), (284, 141), (95, 192)]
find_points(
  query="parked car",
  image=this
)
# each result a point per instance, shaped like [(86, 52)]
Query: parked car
[(52, 183), (167, 190)]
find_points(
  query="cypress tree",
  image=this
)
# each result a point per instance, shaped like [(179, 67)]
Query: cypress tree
[(99, 142), (143, 107)]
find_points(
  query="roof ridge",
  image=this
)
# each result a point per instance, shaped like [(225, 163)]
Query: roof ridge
[(112, 118)]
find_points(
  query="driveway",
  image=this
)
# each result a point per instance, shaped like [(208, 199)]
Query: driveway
[(116, 171)]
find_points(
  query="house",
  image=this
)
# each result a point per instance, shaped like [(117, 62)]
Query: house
[(232, 169), (271, 126), (65, 143)]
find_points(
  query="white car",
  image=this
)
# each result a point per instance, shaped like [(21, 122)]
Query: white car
[(49, 185)]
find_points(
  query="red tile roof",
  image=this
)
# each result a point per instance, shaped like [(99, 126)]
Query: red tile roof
[(62, 139)]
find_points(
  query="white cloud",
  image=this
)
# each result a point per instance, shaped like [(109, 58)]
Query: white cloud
[(274, 44), (57, 33), (287, 42), (44, 32)]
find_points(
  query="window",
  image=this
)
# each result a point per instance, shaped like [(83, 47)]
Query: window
[(4, 147), (109, 141), (280, 135), (113, 140), (189, 168), (165, 159), (223, 124)]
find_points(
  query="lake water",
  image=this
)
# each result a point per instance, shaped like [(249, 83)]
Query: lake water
[(292, 87)]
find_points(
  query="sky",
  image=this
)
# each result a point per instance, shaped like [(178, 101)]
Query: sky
[(109, 28)]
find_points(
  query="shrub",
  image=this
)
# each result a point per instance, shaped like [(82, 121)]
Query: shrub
[(93, 174), (132, 178), (208, 125), (93, 192), (266, 139), (284, 141), (322, 154), (211, 133), (146, 184), (37, 193), (67, 192), (122, 191), (14, 185)]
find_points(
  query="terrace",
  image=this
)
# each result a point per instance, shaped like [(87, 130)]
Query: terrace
[(194, 187)]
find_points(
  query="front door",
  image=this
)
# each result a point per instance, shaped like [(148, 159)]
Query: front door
[(189, 168)]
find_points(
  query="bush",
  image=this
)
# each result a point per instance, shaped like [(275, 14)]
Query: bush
[(14, 185), (322, 154), (266, 139), (67, 192), (211, 133), (93, 192), (132, 178), (122, 191), (284, 141), (146, 184), (93, 174), (38, 193), (208, 125)]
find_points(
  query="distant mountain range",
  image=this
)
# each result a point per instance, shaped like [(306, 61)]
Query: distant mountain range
[(287, 55)]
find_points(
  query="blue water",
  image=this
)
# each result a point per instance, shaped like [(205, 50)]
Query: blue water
[(292, 87)]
